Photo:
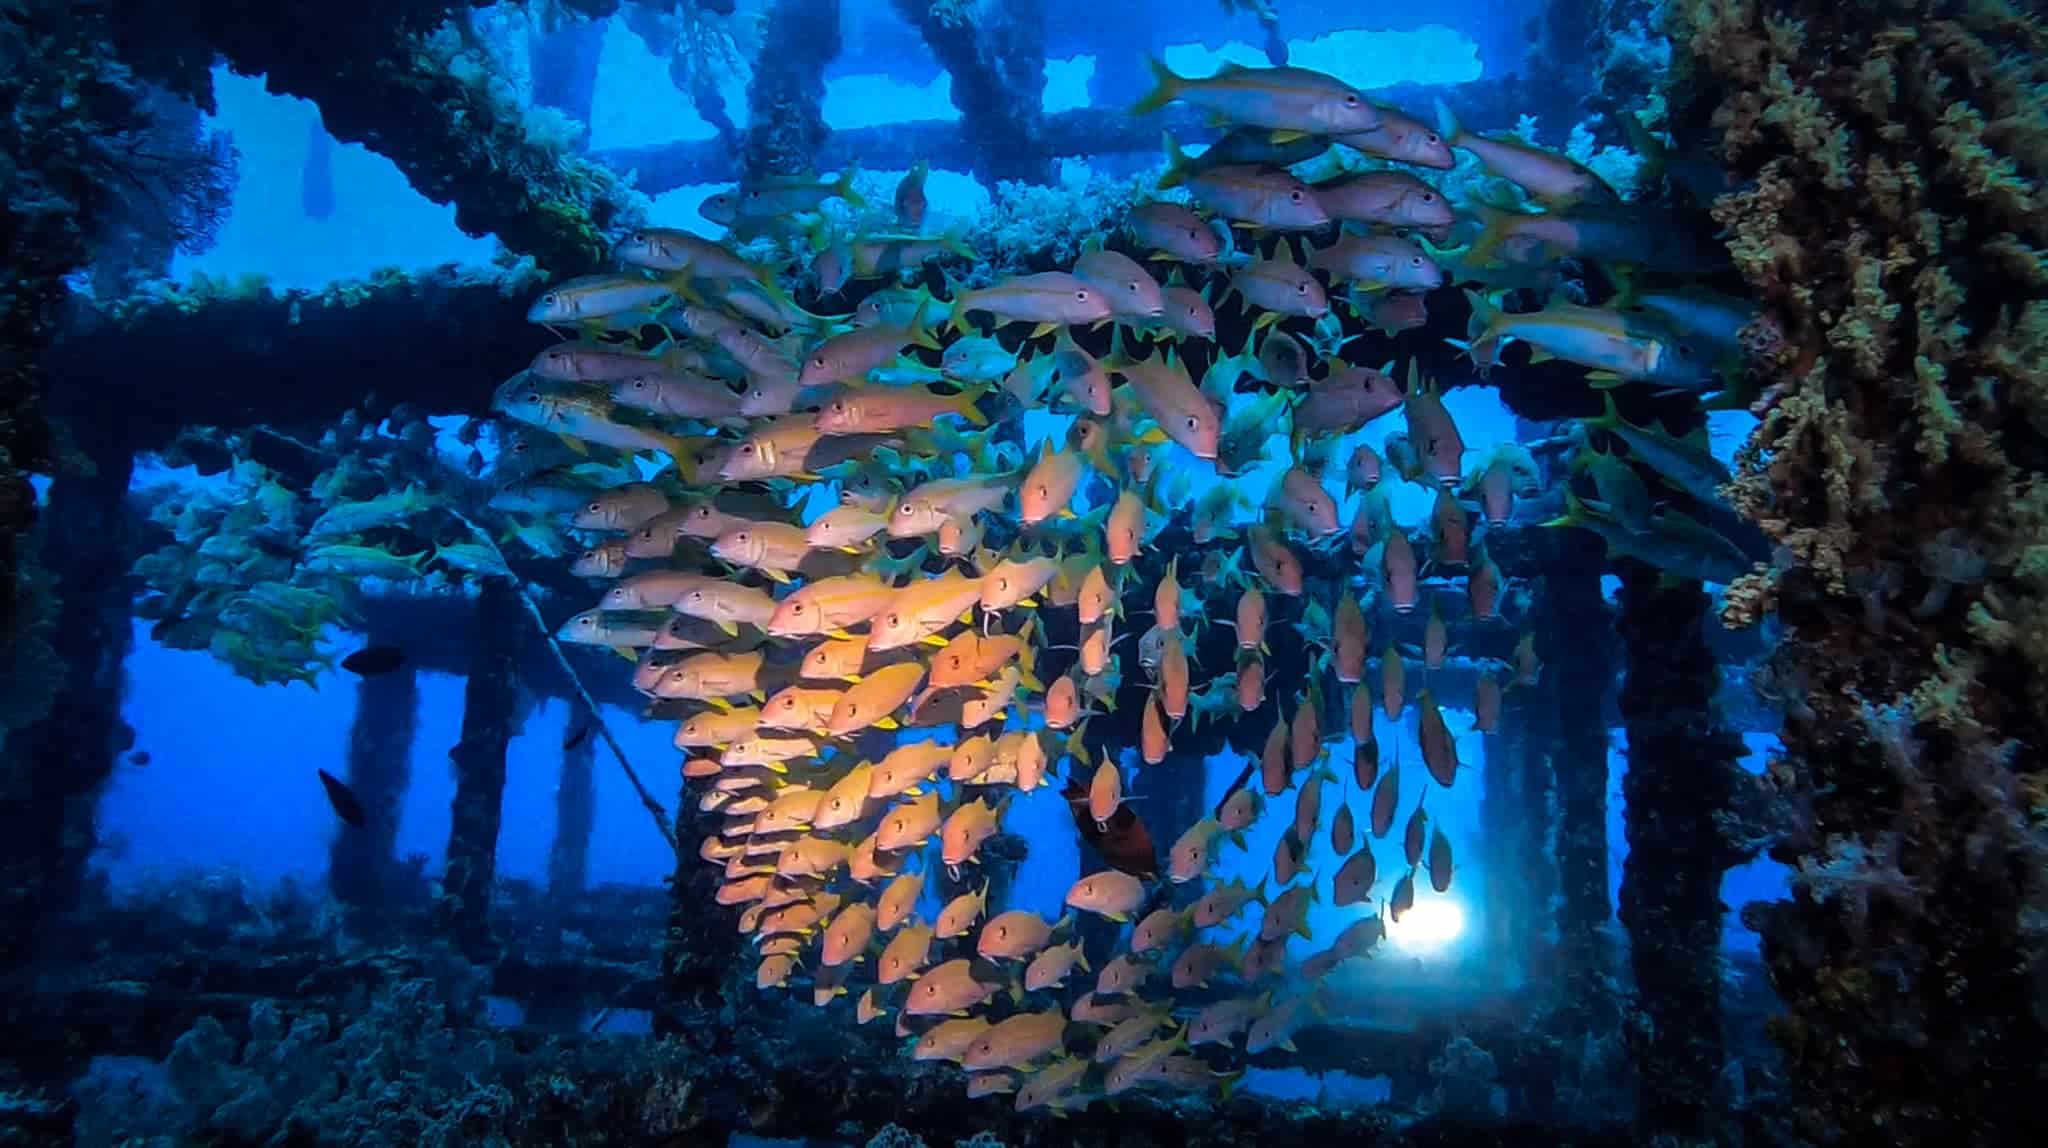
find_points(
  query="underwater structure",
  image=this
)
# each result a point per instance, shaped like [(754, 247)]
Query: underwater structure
[(1866, 585)]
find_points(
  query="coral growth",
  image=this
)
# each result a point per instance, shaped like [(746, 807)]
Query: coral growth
[(1892, 219), (417, 83)]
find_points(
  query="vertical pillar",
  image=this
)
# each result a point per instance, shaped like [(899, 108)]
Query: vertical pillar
[(1572, 624), (52, 772), (1680, 790), (362, 864), (488, 700), (575, 815)]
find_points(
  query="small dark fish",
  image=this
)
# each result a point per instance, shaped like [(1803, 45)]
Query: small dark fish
[(373, 660), (1123, 842), (139, 757), (476, 462), (347, 805), (578, 734)]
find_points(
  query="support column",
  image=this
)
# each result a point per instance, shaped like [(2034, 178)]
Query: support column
[(488, 700), (1571, 639), (362, 865), (1680, 788), (997, 61), (786, 98), (575, 815), (52, 772)]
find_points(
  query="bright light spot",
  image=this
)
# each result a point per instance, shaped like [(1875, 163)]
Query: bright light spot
[(1427, 927)]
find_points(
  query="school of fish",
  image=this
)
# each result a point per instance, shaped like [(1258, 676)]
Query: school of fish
[(836, 563)]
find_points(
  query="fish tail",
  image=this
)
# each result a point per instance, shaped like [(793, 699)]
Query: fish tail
[(1447, 125), (1166, 89), (967, 404), (955, 241), (956, 316), (1177, 162), (843, 186)]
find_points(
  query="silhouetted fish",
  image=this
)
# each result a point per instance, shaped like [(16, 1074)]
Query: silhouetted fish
[(347, 805), (373, 660), (1123, 842)]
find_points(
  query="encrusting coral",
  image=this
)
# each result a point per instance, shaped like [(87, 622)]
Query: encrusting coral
[(1893, 223)]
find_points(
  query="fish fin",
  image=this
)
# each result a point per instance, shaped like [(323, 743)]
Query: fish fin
[(1119, 918), (888, 723), (731, 630), (1287, 137), (757, 695), (575, 444), (627, 653), (1044, 329), (1602, 380), (1166, 88), (935, 641), (776, 575)]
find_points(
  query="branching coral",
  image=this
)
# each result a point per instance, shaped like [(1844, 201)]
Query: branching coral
[(1892, 221)]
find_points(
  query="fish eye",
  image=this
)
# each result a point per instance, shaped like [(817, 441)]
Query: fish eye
[(1432, 137), (1301, 288), (1350, 101), (548, 300), (796, 608), (819, 361), (746, 448), (1415, 261), (1193, 422), (905, 510), (1295, 196), (595, 508), (1081, 296)]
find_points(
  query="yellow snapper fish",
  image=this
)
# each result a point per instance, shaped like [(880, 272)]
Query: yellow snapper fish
[(1050, 485), (1615, 346), (920, 610), (1173, 400), (727, 605), (874, 700), (829, 606), (926, 508), (850, 356), (1548, 176), (1280, 287), (1050, 299), (614, 302), (1130, 289), (583, 419), (1402, 137), (1292, 102), (874, 410), (774, 548), (845, 528)]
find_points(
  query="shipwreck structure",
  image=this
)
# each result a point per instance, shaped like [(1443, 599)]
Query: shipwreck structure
[(1884, 199)]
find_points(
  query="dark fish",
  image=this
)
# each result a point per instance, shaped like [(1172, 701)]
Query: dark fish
[(347, 805), (139, 757), (1123, 842), (373, 660), (578, 734)]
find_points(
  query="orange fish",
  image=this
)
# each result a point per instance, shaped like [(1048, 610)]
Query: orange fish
[(1393, 684), (1354, 880), (1486, 704), (1251, 620), (1439, 749), (1398, 566), (1273, 759), (1153, 741), (1453, 529), (1412, 838), (1384, 797), (1351, 639), (1251, 682), (905, 955), (1343, 830), (1435, 640), (1482, 588)]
